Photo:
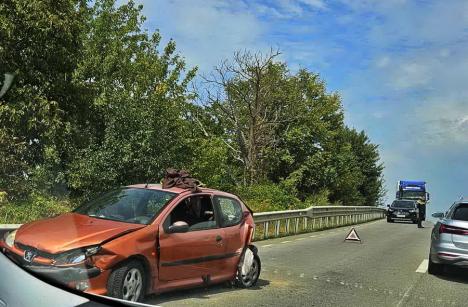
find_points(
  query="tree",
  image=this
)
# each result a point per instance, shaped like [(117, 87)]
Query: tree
[(246, 98), (302, 157), (139, 100), (41, 43), (368, 159)]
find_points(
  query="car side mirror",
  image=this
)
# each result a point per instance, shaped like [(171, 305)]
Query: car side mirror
[(439, 215), (178, 227)]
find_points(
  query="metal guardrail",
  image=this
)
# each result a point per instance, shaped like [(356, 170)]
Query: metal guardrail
[(283, 223), (7, 227)]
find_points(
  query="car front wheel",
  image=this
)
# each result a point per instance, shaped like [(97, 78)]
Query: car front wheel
[(250, 277), (127, 282)]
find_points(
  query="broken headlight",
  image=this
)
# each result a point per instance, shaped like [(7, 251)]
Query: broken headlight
[(10, 238), (77, 256)]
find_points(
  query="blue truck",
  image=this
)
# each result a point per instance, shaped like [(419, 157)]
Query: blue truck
[(413, 190)]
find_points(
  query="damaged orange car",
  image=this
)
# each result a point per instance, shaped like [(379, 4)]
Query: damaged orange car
[(142, 239)]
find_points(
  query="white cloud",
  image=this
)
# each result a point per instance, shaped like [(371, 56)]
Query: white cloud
[(383, 62), (444, 53), (206, 31), (409, 75), (316, 4), (445, 123)]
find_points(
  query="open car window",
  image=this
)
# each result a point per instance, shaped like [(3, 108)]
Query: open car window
[(196, 211)]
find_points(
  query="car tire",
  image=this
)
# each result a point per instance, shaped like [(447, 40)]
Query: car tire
[(389, 220), (435, 268), (127, 281), (251, 278), (415, 221)]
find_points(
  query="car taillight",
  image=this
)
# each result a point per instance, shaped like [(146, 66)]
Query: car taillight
[(453, 230)]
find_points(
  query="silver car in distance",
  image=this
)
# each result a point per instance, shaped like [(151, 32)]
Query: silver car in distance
[(449, 239)]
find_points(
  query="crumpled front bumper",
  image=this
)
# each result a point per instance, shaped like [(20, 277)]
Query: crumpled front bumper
[(64, 274), (59, 274)]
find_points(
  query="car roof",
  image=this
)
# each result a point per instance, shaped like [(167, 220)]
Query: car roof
[(158, 186)]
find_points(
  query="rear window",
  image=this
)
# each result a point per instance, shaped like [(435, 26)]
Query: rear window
[(461, 213), (403, 204)]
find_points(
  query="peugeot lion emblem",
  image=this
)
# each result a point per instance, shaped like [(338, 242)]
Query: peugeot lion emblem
[(29, 255)]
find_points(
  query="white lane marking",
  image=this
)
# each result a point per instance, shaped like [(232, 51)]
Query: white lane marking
[(422, 268), (266, 245), (298, 239), (285, 242), (405, 295), (314, 236), (302, 275)]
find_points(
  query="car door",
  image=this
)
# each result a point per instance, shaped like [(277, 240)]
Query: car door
[(230, 216), (190, 254)]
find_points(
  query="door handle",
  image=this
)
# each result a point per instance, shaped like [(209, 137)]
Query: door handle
[(218, 238)]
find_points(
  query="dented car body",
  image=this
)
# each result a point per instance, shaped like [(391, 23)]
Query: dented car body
[(142, 239)]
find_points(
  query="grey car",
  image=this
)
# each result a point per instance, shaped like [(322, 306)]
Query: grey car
[(449, 239)]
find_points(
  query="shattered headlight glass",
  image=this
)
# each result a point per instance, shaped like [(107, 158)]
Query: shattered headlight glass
[(77, 256), (10, 238)]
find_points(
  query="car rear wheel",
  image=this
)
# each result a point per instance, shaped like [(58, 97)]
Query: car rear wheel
[(127, 282), (389, 220), (249, 278), (435, 268)]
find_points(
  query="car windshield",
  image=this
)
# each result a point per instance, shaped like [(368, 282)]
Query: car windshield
[(129, 205), (413, 194), (403, 204)]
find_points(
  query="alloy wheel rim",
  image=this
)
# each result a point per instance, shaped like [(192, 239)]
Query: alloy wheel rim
[(250, 277), (132, 285)]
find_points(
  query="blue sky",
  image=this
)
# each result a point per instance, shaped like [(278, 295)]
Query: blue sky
[(401, 67)]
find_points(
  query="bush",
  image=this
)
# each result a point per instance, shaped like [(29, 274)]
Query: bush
[(35, 208), (268, 197)]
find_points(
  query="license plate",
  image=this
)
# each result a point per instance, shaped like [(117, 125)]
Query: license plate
[(401, 215)]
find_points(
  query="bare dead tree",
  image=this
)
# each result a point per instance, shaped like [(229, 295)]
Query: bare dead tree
[(240, 90)]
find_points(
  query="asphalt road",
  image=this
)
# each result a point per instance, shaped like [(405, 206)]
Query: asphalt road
[(318, 269)]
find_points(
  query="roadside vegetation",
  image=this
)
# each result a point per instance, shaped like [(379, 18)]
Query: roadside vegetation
[(99, 102)]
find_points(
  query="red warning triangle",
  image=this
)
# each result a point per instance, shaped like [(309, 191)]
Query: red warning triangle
[(352, 236)]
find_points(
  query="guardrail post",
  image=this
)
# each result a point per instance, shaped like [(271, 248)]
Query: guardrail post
[(287, 225), (277, 228), (265, 230), (304, 226), (296, 225)]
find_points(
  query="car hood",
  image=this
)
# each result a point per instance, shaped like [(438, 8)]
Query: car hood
[(69, 231)]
